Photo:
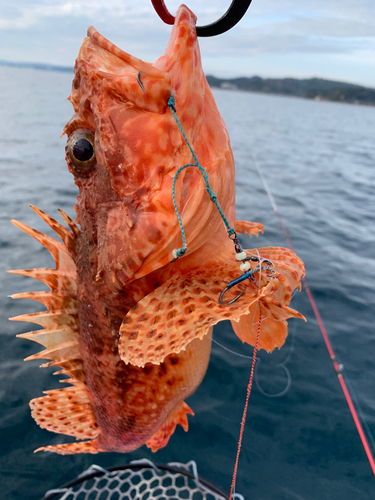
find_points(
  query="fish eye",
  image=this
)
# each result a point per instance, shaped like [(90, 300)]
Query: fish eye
[(81, 151)]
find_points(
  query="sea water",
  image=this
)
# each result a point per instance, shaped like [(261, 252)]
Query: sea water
[(300, 441)]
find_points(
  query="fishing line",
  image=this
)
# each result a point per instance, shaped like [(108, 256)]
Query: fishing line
[(256, 377), (282, 365), (293, 336), (363, 418), (259, 287), (245, 411), (209, 191), (245, 267), (273, 202), (230, 230), (241, 256), (190, 197), (232, 352), (336, 365), (277, 394), (188, 201)]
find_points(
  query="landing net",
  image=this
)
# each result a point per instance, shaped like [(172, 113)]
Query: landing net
[(140, 480)]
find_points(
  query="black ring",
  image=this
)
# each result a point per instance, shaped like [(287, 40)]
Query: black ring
[(233, 15)]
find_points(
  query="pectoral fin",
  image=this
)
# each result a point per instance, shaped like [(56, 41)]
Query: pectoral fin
[(272, 306), (272, 332), (182, 309), (186, 306), (246, 227)]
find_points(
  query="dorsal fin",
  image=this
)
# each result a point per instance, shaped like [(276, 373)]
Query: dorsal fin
[(60, 322), (57, 281), (67, 237), (59, 252), (63, 301), (73, 226), (68, 410), (50, 321)]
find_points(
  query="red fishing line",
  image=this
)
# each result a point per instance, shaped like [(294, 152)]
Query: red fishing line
[(245, 409), (323, 331)]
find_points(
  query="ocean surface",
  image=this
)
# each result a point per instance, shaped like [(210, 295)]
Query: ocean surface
[(300, 441)]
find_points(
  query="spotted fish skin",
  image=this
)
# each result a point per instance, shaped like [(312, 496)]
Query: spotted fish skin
[(126, 322), (130, 403)]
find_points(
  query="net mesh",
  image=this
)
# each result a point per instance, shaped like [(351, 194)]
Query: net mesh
[(140, 480)]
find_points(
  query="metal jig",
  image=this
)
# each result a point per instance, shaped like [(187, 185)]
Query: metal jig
[(233, 15)]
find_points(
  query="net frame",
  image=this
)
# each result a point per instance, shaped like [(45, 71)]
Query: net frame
[(132, 483)]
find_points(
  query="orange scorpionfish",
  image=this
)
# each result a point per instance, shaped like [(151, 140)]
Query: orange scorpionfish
[(127, 323)]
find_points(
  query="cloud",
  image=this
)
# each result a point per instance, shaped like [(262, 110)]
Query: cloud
[(50, 30), (26, 14), (324, 26), (29, 14), (256, 42), (271, 22), (319, 27)]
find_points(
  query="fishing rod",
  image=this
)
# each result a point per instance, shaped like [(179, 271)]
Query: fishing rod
[(336, 365)]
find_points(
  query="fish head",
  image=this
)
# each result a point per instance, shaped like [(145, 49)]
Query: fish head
[(124, 148)]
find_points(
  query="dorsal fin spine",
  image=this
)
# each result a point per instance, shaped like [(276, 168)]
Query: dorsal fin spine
[(68, 237), (60, 335)]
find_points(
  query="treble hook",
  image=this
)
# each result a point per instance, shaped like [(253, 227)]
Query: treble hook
[(233, 15), (235, 282)]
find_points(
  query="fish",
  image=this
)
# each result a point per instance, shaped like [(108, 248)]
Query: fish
[(127, 323)]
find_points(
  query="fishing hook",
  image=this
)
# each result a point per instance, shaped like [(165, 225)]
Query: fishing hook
[(269, 267), (235, 282), (140, 82), (233, 15)]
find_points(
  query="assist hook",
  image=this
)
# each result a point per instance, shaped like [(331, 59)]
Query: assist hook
[(263, 265), (233, 15), (235, 282)]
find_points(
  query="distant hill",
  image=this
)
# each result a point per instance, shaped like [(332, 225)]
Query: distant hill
[(312, 88), (45, 67)]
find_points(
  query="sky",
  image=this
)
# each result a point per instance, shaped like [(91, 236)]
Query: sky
[(333, 39)]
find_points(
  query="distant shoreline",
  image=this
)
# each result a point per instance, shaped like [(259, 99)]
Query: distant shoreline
[(317, 89), (312, 88), (41, 66)]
